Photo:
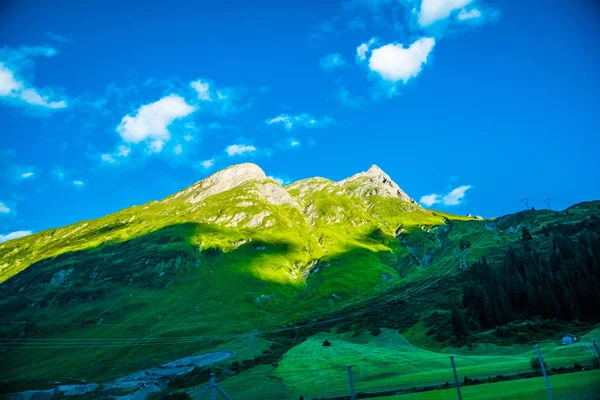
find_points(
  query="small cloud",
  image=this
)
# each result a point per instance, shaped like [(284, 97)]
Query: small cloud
[(332, 62), (14, 235), (454, 197), (151, 122), (4, 209), (436, 10), (363, 49), (277, 179), (304, 120), (294, 143), (394, 62), (451, 199), (177, 149), (202, 89), (56, 37), (27, 175), (187, 137), (346, 98), (430, 199), (465, 15), (239, 149), (206, 164), (121, 152), (79, 183)]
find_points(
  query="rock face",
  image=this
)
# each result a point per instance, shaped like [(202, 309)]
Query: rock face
[(222, 181), (375, 181)]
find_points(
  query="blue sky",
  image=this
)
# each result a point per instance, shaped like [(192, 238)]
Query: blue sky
[(469, 105)]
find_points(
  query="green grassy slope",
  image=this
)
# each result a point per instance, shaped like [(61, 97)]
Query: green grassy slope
[(218, 264)]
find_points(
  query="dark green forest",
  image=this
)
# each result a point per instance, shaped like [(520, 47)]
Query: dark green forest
[(561, 282)]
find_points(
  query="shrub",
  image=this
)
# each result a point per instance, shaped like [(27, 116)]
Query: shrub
[(326, 343), (535, 364), (577, 366), (168, 396)]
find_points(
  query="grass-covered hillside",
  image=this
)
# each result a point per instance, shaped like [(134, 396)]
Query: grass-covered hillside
[(240, 263)]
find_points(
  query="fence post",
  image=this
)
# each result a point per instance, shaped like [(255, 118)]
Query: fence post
[(596, 348), (539, 355), (351, 382), (455, 378), (213, 387)]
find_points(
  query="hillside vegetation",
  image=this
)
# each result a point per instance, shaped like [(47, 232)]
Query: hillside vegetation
[(240, 263)]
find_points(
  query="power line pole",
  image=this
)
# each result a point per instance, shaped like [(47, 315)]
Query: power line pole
[(547, 201), (213, 388), (541, 359), (455, 378), (525, 201), (351, 382)]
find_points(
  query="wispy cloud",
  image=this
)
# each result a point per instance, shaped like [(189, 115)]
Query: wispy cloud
[(432, 11), (27, 175), (16, 72), (290, 122), (14, 235), (239, 149), (347, 99), (4, 209), (453, 198), (57, 37), (78, 183), (332, 62), (207, 164), (218, 99)]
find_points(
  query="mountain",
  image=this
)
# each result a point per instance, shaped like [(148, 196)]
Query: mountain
[(238, 257)]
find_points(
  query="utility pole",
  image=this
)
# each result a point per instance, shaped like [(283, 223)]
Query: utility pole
[(458, 394), (546, 379), (213, 388), (525, 201), (351, 382), (547, 201)]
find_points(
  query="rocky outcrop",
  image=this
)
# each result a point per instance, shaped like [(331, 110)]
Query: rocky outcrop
[(221, 181), (375, 182)]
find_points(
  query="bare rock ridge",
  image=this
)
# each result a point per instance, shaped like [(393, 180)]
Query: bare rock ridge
[(222, 181), (375, 181), (372, 182)]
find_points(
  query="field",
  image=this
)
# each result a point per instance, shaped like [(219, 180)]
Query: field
[(576, 386)]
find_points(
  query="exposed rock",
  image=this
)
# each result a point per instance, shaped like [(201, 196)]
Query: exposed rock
[(257, 219), (221, 181), (375, 182), (275, 194)]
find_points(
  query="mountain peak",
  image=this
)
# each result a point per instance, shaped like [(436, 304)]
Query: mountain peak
[(223, 180), (376, 181)]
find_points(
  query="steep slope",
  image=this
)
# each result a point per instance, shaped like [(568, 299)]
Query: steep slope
[(229, 259)]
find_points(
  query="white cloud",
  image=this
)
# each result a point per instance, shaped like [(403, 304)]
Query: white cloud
[(156, 146), (436, 10), (202, 88), (465, 15), (346, 98), (454, 197), (187, 137), (277, 179), (208, 163), (121, 152), (394, 62), (305, 120), (221, 100), (78, 183), (27, 175), (177, 149), (332, 61), (8, 83), (239, 149), (151, 121), (14, 235), (294, 143), (4, 209), (17, 62), (108, 158), (31, 96), (363, 49), (451, 199), (430, 199)]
